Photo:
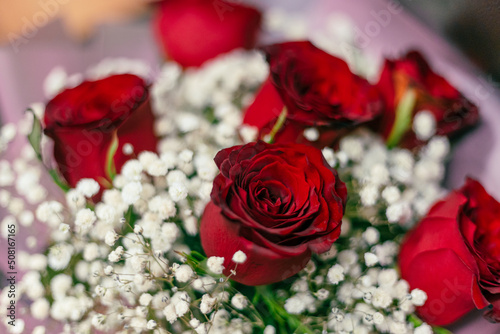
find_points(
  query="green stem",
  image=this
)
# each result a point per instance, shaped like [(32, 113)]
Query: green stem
[(277, 126), (281, 315)]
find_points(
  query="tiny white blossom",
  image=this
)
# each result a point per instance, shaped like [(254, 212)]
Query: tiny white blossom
[(145, 299), (170, 314), (87, 187), (391, 194), (110, 238), (128, 149), (418, 297), (239, 301), (131, 192), (370, 259), (207, 303), (381, 299), (387, 277), (59, 256), (151, 324), (215, 264), (186, 156), (138, 229), (437, 148), (132, 170), (40, 309), (269, 330), (64, 228), (369, 195), (109, 270), (194, 322), (248, 133), (178, 191), (183, 273), (371, 235), (336, 274), (100, 291), (378, 318), (239, 257), (423, 329), (424, 124), (311, 134), (329, 156)]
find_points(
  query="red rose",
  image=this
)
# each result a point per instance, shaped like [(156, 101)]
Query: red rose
[(317, 89), (83, 122), (193, 31), (454, 256), (277, 204), (451, 110)]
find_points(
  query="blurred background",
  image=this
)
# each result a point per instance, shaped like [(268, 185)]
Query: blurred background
[(472, 25)]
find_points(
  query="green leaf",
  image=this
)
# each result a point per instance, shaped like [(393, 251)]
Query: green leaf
[(35, 137), (402, 122), (110, 161)]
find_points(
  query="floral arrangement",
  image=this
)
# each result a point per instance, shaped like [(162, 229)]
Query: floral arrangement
[(278, 190)]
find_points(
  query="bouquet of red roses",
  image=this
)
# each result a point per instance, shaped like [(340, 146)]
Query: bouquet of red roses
[(275, 190)]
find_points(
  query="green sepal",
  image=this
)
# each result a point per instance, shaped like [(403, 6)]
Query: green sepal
[(110, 158), (403, 118), (35, 140), (269, 138)]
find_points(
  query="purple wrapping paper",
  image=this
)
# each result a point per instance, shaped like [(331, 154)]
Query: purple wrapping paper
[(23, 70)]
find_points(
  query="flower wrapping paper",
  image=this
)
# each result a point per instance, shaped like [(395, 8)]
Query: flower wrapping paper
[(383, 29)]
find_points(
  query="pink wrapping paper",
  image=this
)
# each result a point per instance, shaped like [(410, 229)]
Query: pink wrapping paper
[(383, 29)]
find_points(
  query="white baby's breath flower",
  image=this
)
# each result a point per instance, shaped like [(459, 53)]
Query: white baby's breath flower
[(183, 273), (64, 228), (336, 274), (85, 218), (311, 134), (40, 309), (423, 329), (239, 257), (110, 238), (207, 303), (178, 191), (87, 187), (424, 124), (131, 192), (239, 301), (418, 297), (370, 259), (132, 170), (215, 264), (371, 235), (59, 256)]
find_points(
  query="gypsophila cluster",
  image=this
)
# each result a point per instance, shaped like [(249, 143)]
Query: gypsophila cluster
[(132, 262)]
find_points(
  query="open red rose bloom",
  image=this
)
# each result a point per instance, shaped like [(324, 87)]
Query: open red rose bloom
[(316, 88), (277, 204), (454, 255), (452, 112), (83, 122), (191, 32)]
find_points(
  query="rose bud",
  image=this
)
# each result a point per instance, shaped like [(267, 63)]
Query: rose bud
[(86, 120), (453, 255), (412, 90), (317, 89), (191, 32), (277, 203)]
